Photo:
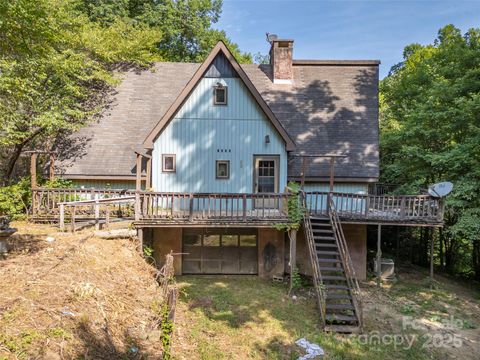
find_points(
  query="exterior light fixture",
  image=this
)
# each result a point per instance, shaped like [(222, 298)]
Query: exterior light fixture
[(267, 139)]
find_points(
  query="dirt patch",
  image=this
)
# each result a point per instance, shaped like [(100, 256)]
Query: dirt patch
[(77, 297)]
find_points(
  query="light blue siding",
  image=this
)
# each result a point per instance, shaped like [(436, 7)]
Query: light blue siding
[(319, 202), (349, 188), (202, 133)]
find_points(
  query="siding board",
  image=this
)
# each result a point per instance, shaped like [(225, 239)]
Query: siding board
[(202, 133)]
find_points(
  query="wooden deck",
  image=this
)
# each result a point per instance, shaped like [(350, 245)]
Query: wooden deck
[(259, 210)]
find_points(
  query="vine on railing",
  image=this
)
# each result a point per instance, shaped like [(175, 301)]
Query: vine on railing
[(295, 209)]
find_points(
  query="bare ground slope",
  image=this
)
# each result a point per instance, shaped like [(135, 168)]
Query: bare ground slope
[(77, 297)]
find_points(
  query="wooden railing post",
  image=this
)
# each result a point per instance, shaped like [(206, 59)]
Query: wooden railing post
[(97, 214), (190, 208), (137, 206), (244, 205)]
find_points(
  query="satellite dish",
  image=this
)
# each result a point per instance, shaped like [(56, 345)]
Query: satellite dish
[(441, 189), (271, 37)]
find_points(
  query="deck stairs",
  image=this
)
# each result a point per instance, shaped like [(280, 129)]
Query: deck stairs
[(336, 286)]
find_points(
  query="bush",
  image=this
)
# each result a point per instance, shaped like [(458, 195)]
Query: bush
[(15, 199)]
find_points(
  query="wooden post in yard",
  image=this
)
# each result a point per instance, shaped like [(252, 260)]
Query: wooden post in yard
[(379, 255), (62, 217), (293, 256), (33, 169)]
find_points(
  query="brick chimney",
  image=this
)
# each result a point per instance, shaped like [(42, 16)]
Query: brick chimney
[(281, 53)]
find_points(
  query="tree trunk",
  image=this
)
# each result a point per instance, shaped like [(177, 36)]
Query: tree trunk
[(476, 258)]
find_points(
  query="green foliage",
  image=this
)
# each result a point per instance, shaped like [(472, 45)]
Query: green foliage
[(166, 327), (297, 281), (15, 199), (430, 129), (60, 57), (186, 25), (147, 251), (295, 209)]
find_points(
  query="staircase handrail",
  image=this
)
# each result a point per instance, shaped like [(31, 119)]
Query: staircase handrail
[(350, 275), (317, 275)]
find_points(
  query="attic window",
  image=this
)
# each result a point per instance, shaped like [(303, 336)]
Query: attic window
[(168, 163), (220, 95)]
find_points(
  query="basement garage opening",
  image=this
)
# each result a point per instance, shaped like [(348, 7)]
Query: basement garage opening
[(220, 251)]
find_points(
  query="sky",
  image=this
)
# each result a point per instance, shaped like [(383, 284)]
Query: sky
[(359, 29)]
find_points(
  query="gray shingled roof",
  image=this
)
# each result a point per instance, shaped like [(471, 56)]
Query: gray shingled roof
[(329, 109)]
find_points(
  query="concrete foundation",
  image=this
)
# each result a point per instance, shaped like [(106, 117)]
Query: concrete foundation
[(271, 252)]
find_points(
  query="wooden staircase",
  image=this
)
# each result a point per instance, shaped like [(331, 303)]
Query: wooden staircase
[(334, 277)]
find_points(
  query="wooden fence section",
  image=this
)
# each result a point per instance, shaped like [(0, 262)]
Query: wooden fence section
[(389, 208), (46, 202), (156, 207)]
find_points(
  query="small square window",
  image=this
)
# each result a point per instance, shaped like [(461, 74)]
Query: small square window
[(220, 95), (168, 163), (223, 169)]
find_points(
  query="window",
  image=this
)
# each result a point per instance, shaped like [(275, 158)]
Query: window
[(168, 163), (220, 95), (223, 169)]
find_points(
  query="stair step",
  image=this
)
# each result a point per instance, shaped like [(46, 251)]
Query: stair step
[(334, 277), (316, 218), (323, 237), (338, 317), (335, 287), (322, 231), (335, 261), (331, 268), (328, 252), (333, 296), (340, 307), (326, 245), (345, 329)]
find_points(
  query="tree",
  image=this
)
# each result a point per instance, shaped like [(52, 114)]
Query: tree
[(186, 25), (430, 131), (59, 57)]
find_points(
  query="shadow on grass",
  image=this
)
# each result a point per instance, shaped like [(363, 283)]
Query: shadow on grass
[(25, 244), (98, 344)]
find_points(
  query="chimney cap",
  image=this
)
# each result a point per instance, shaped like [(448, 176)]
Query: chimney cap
[(271, 38)]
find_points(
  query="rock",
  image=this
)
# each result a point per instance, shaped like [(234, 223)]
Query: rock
[(50, 239)]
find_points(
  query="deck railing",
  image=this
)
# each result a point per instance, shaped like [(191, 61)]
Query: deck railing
[(237, 207), (46, 202), (412, 208), (213, 207)]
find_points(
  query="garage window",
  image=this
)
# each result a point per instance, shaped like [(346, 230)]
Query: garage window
[(220, 251)]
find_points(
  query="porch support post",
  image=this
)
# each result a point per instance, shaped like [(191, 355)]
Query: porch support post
[(379, 254), (148, 181), (140, 239), (304, 167), (432, 239), (33, 170), (293, 256), (138, 185), (332, 163)]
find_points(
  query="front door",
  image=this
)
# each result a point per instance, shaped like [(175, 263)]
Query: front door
[(265, 180)]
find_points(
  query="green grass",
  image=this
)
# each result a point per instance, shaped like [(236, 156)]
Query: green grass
[(246, 317)]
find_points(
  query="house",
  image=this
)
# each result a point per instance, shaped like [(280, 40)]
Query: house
[(208, 150)]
